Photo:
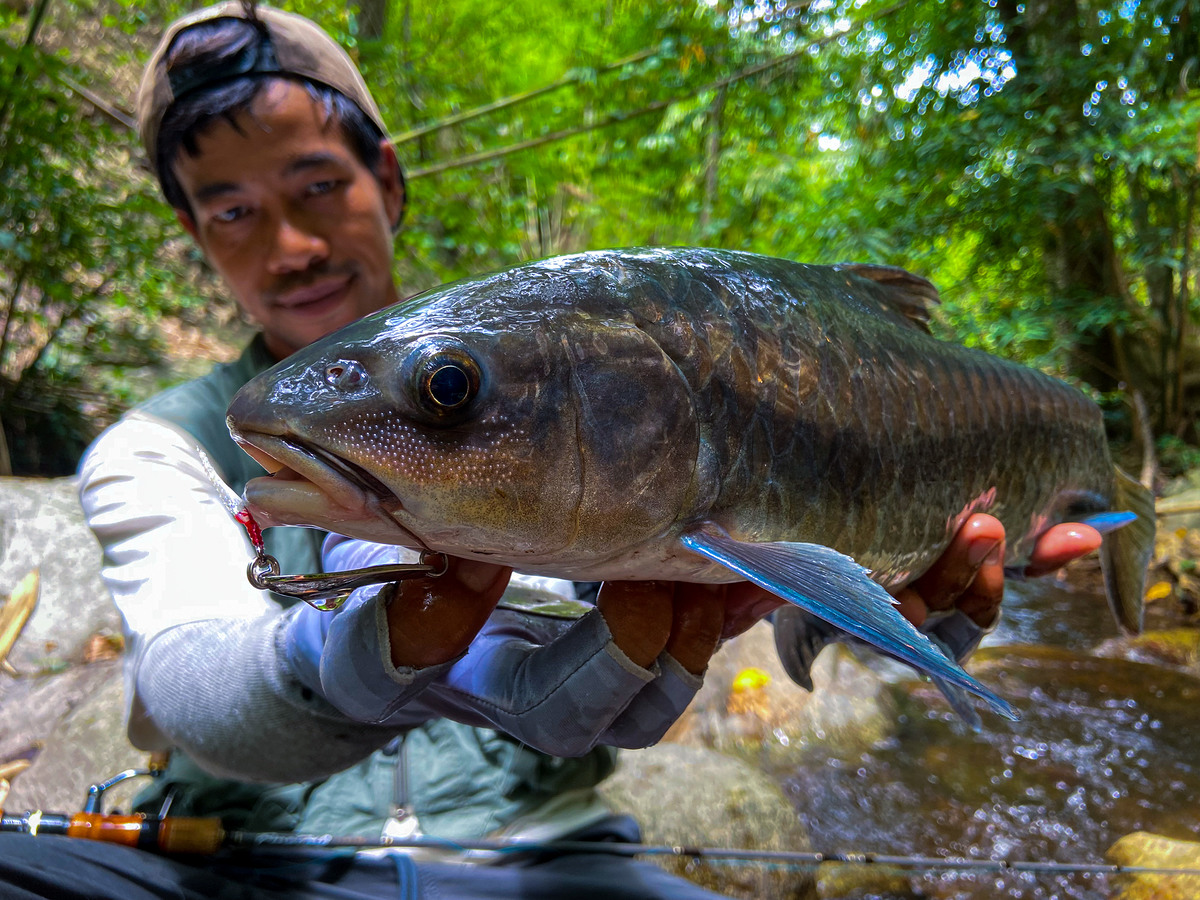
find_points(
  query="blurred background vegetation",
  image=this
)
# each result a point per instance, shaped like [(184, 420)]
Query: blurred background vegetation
[(1039, 161)]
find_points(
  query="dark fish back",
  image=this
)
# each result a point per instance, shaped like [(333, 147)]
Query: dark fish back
[(828, 414)]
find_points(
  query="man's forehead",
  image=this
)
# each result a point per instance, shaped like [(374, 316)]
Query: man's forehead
[(285, 130)]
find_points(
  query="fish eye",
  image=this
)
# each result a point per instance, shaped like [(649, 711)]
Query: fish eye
[(446, 381), (449, 386), (345, 375)]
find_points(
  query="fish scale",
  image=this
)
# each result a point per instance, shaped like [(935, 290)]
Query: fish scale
[(690, 414)]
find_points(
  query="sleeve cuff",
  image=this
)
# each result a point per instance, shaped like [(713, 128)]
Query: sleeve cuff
[(356, 671)]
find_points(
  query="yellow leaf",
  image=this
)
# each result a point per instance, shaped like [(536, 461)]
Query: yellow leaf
[(750, 679), (17, 611), (1159, 590)]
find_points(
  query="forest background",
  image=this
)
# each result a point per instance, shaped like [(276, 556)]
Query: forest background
[(1039, 161)]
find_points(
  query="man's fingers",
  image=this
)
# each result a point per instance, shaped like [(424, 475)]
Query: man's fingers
[(639, 615), (979, 538), (697, 625), (1061, 544), (745, 604), (912, 606), (981, 600), (433, 620)]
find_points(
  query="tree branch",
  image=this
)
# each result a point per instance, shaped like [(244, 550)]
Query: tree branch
[(719, 85), (515, 99)]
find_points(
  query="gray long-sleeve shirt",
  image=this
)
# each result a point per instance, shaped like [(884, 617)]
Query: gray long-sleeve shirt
[(220, 670)]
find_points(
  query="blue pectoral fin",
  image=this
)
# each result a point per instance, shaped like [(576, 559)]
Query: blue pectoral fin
[(1107, 522), (835, 588)]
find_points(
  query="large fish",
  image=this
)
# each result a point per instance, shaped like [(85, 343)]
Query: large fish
[(688, 414)]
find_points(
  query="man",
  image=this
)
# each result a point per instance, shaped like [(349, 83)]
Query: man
[(272, 152)]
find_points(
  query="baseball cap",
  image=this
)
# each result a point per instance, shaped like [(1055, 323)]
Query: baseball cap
[(290, 45)]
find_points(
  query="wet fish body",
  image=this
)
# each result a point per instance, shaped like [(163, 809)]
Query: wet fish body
[(688, 414)]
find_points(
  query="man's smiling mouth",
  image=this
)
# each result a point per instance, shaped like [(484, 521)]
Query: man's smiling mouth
[(312, 294)]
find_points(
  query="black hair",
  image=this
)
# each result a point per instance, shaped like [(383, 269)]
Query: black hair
[(209, 44)]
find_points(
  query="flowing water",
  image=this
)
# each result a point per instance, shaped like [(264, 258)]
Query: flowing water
[(1104, 747)]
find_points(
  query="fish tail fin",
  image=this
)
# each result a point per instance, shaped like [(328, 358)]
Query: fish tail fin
[(1126, 552)]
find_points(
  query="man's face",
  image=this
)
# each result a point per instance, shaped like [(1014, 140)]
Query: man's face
[(291, 219)]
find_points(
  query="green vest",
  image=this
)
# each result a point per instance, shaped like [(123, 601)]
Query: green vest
[(462, 782)]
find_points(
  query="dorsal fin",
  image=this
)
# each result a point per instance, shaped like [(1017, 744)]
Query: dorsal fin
[(909, 295)]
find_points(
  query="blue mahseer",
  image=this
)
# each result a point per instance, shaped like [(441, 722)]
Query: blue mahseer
[(689, 414)]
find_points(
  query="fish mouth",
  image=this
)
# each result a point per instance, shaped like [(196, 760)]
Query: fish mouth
[(339, 478), (304, 481)]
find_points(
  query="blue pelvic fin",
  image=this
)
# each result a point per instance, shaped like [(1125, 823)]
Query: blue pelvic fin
[(960, 702), (836, 589), (958, 699), (1106, 522)]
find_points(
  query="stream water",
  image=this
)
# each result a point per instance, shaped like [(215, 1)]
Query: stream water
[(1104, 747)]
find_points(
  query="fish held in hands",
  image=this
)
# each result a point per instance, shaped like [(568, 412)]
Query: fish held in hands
[(690, 415)]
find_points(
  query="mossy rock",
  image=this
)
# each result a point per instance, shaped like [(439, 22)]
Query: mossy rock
[(1152, 850), (1176, 647), (695, 797), (852, 881)]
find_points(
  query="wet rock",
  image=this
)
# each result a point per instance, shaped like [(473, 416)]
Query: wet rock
[(1177, 647), (84, 742), (1144, 849), (843, 881), (692, 796), (1179, 504), (773, 721)]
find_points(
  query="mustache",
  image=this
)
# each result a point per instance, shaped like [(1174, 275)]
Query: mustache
[(285, 284)]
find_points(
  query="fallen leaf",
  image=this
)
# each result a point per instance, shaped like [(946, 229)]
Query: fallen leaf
[(1158, 591), (16, 611), (102, 646), (13, 768)]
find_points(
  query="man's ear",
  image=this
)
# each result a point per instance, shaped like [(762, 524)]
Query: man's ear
[(189, 225), (391, 183)]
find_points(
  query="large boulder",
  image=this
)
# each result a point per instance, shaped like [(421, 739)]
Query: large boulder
[(42, 527), (749, 706), (64, 711), (695, 797), (1177, 648)]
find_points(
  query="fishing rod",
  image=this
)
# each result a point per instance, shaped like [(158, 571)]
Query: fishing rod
[(161, 833), (184, 835)]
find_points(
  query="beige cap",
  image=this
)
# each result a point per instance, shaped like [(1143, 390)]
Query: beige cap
[(292, 45)]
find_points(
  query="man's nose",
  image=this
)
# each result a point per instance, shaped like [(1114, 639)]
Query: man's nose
[(297, 246)]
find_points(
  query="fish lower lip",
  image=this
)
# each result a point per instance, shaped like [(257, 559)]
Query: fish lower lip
[(352, 473)]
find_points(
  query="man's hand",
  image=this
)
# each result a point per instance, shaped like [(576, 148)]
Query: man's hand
[(689, 620), (433, 620), (969, 575), (686, 620)]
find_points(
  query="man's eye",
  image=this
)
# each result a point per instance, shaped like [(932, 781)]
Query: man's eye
[(317, 188), (231, 215)]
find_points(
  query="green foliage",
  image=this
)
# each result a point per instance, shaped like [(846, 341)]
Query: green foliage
[(88, 265), (1176, 456), (1036, 160)]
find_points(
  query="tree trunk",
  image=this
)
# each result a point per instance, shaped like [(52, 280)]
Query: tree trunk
[(712, 154), (1080, 254), (371, 17)]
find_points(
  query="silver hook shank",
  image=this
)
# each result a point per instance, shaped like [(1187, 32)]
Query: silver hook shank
[(327, 591)]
